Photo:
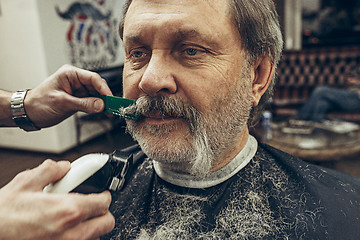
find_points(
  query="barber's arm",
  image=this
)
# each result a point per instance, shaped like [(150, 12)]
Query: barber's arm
[(66, 91), (28, 213)]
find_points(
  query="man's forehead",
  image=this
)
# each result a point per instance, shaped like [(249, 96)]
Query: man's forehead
[(188, 17), (174, 37), (178, 6), (185, 2)]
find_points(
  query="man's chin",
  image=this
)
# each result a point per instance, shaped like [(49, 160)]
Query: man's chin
[(165, 148), (160, 139), (173, 146)]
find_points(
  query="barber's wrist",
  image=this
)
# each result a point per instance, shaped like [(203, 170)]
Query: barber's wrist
[(19, 114), (5, 111)]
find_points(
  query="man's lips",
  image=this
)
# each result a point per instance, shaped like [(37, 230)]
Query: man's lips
[(158, 118)]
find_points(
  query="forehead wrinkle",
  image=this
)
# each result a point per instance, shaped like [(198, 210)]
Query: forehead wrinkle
[(176, 36), (156, 10)]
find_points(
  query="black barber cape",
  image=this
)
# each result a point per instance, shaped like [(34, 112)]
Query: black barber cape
[(275, 196)]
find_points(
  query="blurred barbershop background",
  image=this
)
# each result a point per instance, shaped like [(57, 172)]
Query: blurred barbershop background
[(322, 48)]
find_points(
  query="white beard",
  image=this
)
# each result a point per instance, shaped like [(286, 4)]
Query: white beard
[(208, 137)]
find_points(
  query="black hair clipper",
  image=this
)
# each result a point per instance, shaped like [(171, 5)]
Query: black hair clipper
[(94, 173)]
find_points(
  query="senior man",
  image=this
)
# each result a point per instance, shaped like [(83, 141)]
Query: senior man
[(198, 70)]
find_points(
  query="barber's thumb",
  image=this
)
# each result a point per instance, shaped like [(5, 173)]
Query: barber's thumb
[(91, 105)]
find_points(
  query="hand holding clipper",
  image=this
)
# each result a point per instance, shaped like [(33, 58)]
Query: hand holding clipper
[(94, 173)]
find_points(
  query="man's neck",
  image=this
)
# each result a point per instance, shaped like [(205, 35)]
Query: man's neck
[(228, 155), (213, 178)]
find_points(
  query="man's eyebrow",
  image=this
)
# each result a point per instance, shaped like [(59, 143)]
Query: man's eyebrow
[(195, 35), (134, 39), (179, 35)]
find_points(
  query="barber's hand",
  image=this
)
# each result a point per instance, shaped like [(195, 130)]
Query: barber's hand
[(28, 213), (64, 93)]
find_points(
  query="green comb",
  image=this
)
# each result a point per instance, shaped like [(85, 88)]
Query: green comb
[(115, 106)]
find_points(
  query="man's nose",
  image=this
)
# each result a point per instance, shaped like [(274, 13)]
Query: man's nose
[(158, 77)]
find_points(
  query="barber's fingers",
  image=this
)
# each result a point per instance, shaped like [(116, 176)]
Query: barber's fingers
[(91, 205), (65, 103), (91, 229), (73, 209), (93, 81), (36, 179), (87, 104), (81, 78)]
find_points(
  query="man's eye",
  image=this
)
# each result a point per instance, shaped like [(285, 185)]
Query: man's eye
[(138, 54), (191, 51)]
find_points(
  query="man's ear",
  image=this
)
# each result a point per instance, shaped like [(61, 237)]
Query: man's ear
[(263, 73)]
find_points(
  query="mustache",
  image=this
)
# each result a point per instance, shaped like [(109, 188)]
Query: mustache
[(167, 107)]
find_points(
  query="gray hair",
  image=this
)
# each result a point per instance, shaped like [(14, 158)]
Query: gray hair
[(260, 34)]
